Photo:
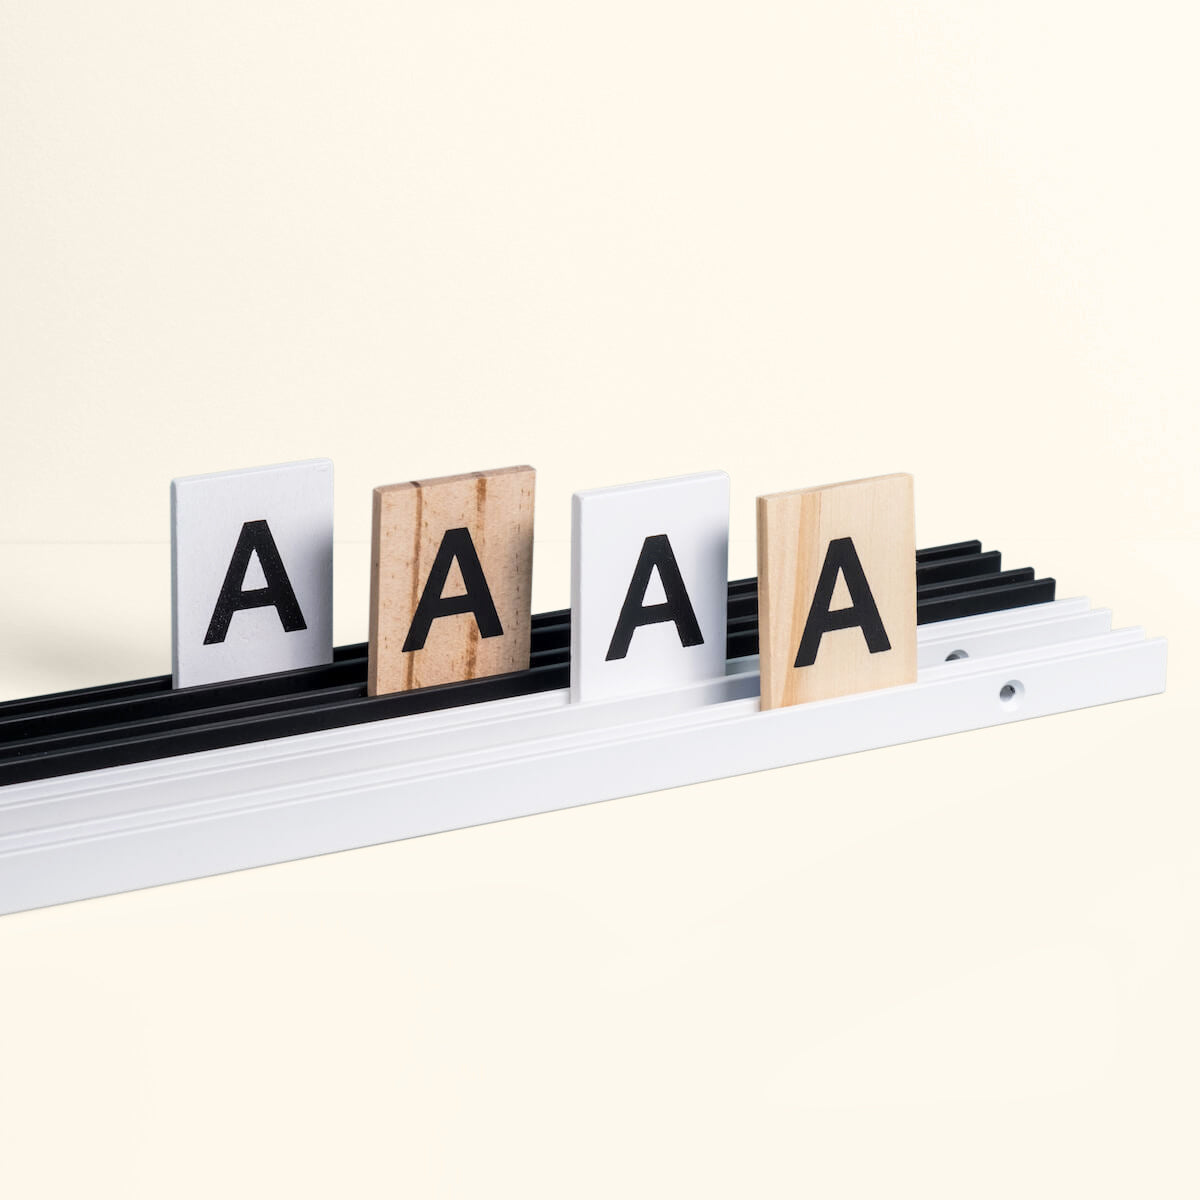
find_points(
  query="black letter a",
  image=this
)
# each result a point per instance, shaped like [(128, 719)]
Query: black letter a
[(841, 556), (656, 552), (477, 599), (255, 538)]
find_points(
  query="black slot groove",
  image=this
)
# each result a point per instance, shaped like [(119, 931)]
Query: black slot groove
[(959, 567), (986, 600)]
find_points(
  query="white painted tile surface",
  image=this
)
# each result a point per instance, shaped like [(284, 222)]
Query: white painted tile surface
[(609, 528), (208, 513)]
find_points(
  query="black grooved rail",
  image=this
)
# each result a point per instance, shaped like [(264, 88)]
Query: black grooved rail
[(145, 719)]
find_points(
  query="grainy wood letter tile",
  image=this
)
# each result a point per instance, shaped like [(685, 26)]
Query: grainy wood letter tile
[(837, 598), (451, 575)]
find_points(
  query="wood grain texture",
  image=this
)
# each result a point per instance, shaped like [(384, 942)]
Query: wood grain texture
[(409, 523), (795, 533)]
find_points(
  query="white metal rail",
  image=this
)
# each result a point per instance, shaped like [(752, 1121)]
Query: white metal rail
[(137, 826)]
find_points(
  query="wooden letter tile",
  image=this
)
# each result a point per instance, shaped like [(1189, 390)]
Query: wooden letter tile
[(451, 574), (837, 591), (649, 566)]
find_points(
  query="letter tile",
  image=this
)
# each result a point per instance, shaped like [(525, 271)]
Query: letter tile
[(837, 592), (251, 571), (451, 576), (649, 565)]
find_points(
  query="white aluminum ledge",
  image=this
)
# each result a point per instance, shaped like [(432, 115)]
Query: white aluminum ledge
[(121, 828)]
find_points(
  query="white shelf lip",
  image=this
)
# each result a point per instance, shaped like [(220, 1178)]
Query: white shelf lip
[(129, 827)]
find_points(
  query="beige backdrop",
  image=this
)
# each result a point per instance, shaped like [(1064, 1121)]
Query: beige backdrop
[(618, 241)]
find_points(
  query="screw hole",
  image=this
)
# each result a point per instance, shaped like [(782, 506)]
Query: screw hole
[(955, 655), (1011, 693)]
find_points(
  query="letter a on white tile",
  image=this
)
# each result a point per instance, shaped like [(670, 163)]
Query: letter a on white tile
[(649, 583), (251, 571)]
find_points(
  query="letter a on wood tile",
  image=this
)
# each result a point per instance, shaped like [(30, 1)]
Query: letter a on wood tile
[(451, 575), (251, 571), (649, 583), (837, 590)]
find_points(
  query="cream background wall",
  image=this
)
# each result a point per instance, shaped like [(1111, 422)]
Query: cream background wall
[(800, 243)]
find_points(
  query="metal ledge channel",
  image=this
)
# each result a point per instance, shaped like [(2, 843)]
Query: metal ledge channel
[(135, 826)]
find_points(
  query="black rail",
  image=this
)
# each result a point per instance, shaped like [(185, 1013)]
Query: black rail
[(145, 719)]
